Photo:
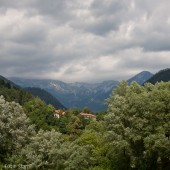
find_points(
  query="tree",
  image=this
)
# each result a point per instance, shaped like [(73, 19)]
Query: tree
[(100, 115), (40, 114), (44, 151), (138, 126), (79, 157), (15, 129), (86, 110), (74, 127), (89, 150), (73, 111)]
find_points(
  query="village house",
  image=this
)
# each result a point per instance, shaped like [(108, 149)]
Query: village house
[(88, 115), (58, 113)]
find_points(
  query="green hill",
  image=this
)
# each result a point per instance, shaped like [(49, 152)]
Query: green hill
[(45, 96), (36, 109), (163, 75), (13, 92)]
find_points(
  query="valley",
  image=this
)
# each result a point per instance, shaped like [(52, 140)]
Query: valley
[(80, 94)]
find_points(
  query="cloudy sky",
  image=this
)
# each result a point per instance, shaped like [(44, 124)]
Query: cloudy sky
[(76, 40)]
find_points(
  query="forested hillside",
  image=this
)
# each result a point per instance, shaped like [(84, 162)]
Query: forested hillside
[(7, 82), (37, 110), (12, 92), (45, 96), (133, 134), (163, 75)]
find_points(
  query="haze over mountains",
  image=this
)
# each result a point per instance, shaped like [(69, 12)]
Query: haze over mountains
[(78, 94)]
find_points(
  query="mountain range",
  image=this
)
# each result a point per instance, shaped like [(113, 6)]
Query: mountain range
[(73, 95), (79, 94)]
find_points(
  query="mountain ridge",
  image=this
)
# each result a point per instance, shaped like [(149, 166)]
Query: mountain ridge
[(42, 94), (141, 77), (45, 96), (73, 95), (78, 94), (162, 75)]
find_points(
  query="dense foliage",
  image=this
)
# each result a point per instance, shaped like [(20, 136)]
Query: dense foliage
[(37, 110), (138, 126), (134, 134), (13, 93)]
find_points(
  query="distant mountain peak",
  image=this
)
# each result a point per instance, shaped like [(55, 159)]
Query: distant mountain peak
[(141, 77)]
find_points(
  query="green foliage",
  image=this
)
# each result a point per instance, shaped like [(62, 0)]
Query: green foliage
[(86, 110), (100, 115), (74, 127), (40, 114), (134, 134), (15, 129), (92, 141), (63, 122), (12, 93), (138, 126), (79, 157), (44, 151), (73, 111)]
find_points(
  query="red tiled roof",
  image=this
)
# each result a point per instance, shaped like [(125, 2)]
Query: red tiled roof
[(59, 112), (87, 115)]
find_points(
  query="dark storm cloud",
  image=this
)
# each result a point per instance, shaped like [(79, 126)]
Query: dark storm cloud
[(90, 40)]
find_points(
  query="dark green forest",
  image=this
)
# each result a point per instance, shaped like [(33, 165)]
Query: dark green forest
[(162, 75), (133, 134)]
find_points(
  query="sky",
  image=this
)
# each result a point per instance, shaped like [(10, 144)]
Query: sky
[(87, 41)]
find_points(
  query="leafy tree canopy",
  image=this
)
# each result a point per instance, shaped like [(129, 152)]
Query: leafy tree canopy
[(138, 126)]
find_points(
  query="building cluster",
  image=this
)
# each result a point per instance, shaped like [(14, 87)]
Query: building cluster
[(58, 113)]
